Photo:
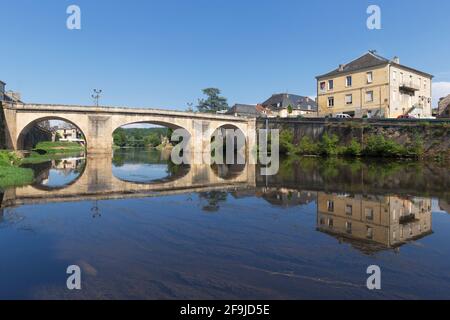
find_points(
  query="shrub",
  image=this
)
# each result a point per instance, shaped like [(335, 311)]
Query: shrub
[(378, 146), (308, 147), (329, 145), (354, 149), (287, 141), (8, 159)]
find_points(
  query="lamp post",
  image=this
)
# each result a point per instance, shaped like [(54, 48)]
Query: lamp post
[(96, 96)]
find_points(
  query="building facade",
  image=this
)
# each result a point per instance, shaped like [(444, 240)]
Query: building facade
[(285, 105), (373, 86), (444, 107), (2, 90)]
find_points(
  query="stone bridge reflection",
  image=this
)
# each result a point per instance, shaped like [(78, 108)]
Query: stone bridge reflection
[(97, 182)]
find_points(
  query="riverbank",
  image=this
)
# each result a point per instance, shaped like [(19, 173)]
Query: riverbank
[(47, 151), (375, 139), (11, 174)]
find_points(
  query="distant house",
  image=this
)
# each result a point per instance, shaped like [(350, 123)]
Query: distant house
[(68, 133), (8, 96), (248, 110), (286, 105), (2, 90), (444, 107)]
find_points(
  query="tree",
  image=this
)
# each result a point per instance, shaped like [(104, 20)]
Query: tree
[(290, 110), (120, 138), (213, 103)]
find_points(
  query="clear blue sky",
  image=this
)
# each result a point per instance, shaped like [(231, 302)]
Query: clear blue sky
[(162, 53)]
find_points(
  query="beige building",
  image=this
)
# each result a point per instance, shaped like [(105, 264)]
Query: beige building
[(374, 223), (372, 86)]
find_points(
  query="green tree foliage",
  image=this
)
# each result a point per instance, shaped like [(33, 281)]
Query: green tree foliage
[(139, 137), (354, 149), (329, 146), (287, 142), (290, 109), (120, 137), (213, 103), (308, 147)]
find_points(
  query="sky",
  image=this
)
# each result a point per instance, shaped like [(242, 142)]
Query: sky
[(161, 54)]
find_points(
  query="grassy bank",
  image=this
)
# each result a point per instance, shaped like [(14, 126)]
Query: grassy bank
[(10, 172), (47, 151), (49, 147)]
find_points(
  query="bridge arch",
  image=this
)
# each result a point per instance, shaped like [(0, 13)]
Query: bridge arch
[(27, 126)]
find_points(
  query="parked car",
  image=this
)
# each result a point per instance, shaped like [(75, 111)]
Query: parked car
[(343, 116), (405, 116)]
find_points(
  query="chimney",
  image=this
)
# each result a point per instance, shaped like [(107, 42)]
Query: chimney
[(341, 67), (396, 60)]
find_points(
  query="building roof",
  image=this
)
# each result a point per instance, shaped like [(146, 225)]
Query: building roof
[(247, 110), (283, 100), (4, 83), (367, 61)]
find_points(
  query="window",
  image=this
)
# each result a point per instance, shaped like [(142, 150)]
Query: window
[(348, 81), (322, 86), (369, 214), (369, 77), (394, 76), (331, 102), (369, 96), (330, 206), (330, 223), (349, 210), (369, 233), (424, 84), (330, 84), (348, 227), (349, 99)]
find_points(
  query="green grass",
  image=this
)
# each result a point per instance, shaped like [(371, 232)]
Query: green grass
[(58, 147), (11, 174), (15, 177)]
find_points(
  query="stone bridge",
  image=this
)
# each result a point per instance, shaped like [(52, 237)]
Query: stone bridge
[(98, 124), (97, 182)]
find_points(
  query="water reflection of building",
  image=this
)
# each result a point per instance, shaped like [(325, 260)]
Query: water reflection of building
[(444, 205), (287, 197), (374, 223)]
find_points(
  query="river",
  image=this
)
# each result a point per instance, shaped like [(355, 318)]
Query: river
[(141, 228)]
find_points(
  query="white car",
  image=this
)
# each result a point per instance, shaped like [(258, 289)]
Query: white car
[(343, 116)]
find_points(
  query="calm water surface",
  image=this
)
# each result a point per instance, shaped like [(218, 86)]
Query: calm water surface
[(141, 228)]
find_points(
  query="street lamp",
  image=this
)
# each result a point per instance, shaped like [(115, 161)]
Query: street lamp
[(96, 96)]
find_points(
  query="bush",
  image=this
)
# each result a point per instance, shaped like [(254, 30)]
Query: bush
[(378, 146), (8, 159), (308, 147), (354, 149), (329, 145), (287, 142)]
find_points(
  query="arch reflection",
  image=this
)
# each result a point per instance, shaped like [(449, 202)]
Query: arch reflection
[(59, 173)]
